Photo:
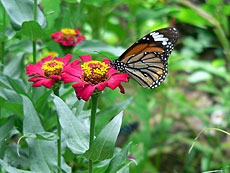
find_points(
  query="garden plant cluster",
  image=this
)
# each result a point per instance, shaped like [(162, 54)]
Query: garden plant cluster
[(64, 108)]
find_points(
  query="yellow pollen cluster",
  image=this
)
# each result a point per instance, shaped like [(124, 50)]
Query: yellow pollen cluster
[(52, 67), (52, 54), (95, 72), (68, 31)]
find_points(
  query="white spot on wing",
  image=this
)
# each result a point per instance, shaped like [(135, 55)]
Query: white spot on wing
[(159, 37)]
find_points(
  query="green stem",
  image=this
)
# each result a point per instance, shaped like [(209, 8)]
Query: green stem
[(35, 9), (34, 41), (94, 98), (56, 92), (3, 34), (34, 51)]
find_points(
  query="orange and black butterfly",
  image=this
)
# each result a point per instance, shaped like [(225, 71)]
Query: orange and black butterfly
[(146, 61)]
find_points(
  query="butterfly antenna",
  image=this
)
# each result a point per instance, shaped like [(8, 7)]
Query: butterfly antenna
[(101, 54)]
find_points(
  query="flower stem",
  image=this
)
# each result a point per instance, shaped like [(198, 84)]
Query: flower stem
[(95, 96), (35, 9), (34, 41), (56, 92), (34, 51)]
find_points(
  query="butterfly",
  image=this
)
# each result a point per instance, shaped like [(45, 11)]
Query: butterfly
[(146, 61)]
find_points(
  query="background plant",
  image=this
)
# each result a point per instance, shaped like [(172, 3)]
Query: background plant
[(195, 95)]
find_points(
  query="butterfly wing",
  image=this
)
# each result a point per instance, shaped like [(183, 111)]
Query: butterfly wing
[(161, 41), (147, 69), (146, 61)]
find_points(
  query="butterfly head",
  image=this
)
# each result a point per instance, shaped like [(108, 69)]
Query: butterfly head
[(118, 65)]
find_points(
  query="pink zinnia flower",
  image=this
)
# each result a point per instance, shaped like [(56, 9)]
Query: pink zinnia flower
[(93, 74), (48, 70), (68, 37)]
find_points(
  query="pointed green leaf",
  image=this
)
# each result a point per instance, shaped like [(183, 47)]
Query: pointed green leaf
[(103, 146), (43, 154), (5, 131), (15, 67), (104, 116), (77, 133), (31, 122), (9, 168), (124, 169), (10, 95), (118, 160), (33, 30)]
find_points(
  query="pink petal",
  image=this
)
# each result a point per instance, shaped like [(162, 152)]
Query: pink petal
[(119, 77), (81, 37), (48, 58), (32, 70), (60, 40), (66, 43), (106, 61), (112, 71), (70, 78), (85, 93), (113, 84), (122, 90), (56, 35), (77, 31), (73, 71), (48, 83), (85, 58), (55, 77), (37, 78), (66, 59), (74, 64), (101, 86), (80, 84)]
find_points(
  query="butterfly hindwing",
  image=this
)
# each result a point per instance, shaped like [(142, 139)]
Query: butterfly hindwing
[(149, 71)]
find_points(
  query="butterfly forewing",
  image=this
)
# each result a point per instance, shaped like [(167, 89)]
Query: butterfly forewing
[(146, 61)]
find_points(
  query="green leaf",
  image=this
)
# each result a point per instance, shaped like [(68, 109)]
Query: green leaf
[(199, 76), (185, 16), (124, 169), (103, 146), (8, 168), (33, 30), (10, 95), (51, 10), (14, 68), (31, 122), (77, 133), (15, 108), (18, 85), (93, 46), (43, 154), (104, 116), (42, 101), (5, 131), (118, 160), (21, 11)]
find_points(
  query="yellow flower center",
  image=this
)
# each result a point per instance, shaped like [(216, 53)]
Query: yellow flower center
[(95, 72), (52, 67), (52, 54), (68, 31)]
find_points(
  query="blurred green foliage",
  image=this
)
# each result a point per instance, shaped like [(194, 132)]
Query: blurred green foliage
[(195, 95)]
